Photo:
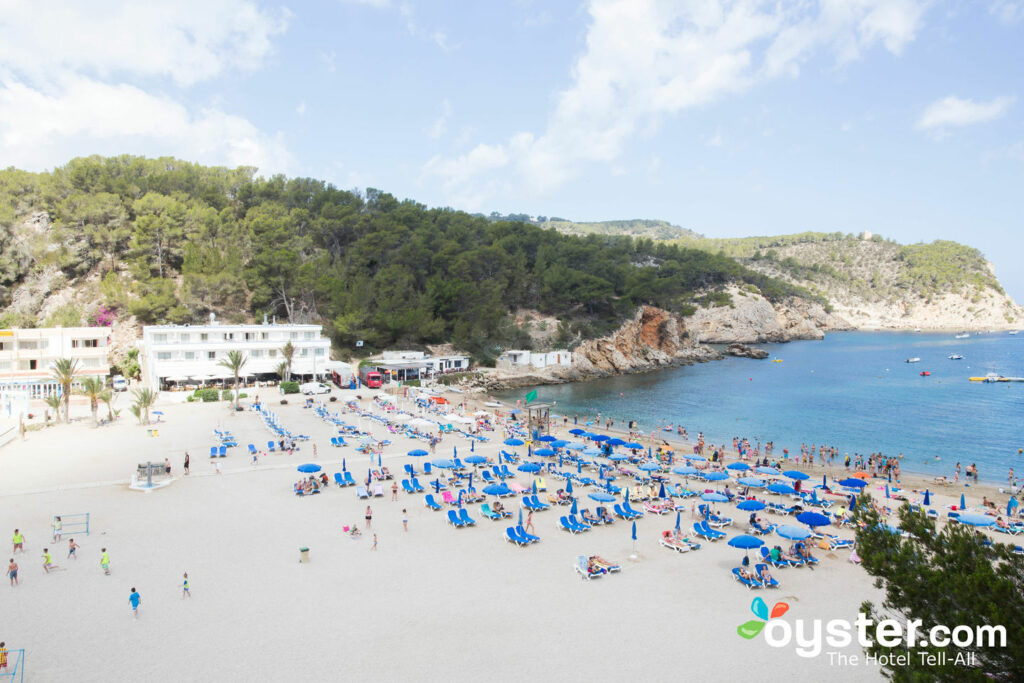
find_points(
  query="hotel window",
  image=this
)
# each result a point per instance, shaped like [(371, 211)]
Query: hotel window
[(32, 364), (184, 338), (457, 364), (228, 336), (249, 336), (190, 355), (28, 345), (304, 353), (273, 353), (159, 338), (264, 336), (204, 336), (318, 352), (85, 343), (163, 355), (91, 362), (294, 335), (6, 346), (211, 355), (257, 353), (5, 365), (310, 335)]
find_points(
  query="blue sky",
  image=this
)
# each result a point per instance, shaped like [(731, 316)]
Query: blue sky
[(902, 117)]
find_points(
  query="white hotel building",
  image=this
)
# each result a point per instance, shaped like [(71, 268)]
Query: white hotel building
[(27, 356), (192, 353)]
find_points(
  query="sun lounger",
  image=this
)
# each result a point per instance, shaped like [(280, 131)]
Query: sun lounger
[(836, 543), (709, 533), (429, 502), (517, 488), (361, 492), (771, 582), (527, 502), (213, 451), (417, 485), (349, 481), (490, 514), (454, 520), (465, 518), (378, 490), (505, 473), (447, 498), (529, 538), (252, 449), (766, 555), (637, 514), (488, 477), (407, 487), (271, 446), (578, 524), (932, 513), (668, 540), (749, 583), (582, 567), (512, 537), (338, 480), (762, 529), (541, 485)]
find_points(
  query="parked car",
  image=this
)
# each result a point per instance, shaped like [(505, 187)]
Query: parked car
[(119, 383), (315, 388)]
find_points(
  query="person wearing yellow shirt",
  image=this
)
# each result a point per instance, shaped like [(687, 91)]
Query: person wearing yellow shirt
[(19, 541), (48, 560), (105, 561)]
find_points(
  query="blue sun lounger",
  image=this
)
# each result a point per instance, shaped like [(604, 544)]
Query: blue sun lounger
[(407, 487), (222, 452), (338, 480), (465, 518), (512, 536), (490, 514), (488, 477), (252, 450), (349, 481), (761, 529), (529, 538), (565, 524), (417, 486), (431, 503), (578, 524), (505, 474), (771, 583), (749, 583), (702, 529), (637, 514), (213, 451), (454, 520), (766, 555), (361, 492)]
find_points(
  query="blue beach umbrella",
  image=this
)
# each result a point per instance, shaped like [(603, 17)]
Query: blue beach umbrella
[(714, 498), (649, 452), (598, 437), (437, 486), (616, 441), (601, 497), (573, 510), (529, 467), (781, 488), (853, 483), (716, 476), (497, 489), (559, 461), (824, 482), (579, 467), (593, 451), (476, 459), (472, 445), (751, 506), (369, 475), (574, 446), (469, 485), (577, 431), (750, 481), (544, 452), (770, 471), (308, 468), (633, 446), (547, 438), (534, 489), (443, 463), (928, 498), (514, 442), (813, 519), (380, 460), (634, 531), (685, 470), (792, 533), (650, 467), (661, 490), (887, 491), (745, 542), (520, 516), (977, 520), (795, 475), (559, 443), (460, 497), (568, 486), (418, 453), (677, 521), (455, 452), (343, 465), (738, 466), (614, 457), (963, 502), (695, 457)]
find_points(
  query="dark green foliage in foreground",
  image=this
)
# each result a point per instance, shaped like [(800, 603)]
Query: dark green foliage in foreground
[(289, 387), (949, 578), (174, 241)]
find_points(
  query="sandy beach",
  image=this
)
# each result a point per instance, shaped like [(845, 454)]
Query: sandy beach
[(421, 607)]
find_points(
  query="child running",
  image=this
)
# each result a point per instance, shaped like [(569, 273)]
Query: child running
[(105, 562), (48, 560), (185, 589), (135, 599), (72, 548)]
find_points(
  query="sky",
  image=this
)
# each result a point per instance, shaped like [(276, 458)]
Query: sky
[(731, 118)]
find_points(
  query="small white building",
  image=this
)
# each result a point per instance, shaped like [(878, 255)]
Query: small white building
[(183, 353), (522, 360), (403, 355), (27, 356), (442, 364)]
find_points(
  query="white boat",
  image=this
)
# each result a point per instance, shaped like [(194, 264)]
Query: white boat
[(955, 356), (962, 335), (1014, 331), (915, 359)]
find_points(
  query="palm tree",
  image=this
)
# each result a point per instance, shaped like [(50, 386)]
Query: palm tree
[(288, 351), (282, 370), (64, 371), (234, 361), (93, 388), (108, 397), (54, 402), (144, 400)]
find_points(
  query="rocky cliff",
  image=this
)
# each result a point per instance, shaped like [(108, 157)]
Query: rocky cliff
[(750, 318)]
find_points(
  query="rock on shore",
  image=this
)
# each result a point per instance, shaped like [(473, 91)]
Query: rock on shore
[(745, 351)]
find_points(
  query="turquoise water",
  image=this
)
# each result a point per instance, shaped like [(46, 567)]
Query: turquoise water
[(852, 390)]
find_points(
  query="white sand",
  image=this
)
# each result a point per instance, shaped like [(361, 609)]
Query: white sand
[(435, 603)]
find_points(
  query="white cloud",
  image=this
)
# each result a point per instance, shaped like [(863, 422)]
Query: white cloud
[(648, 59), (437, 128), (96, 77), (301, 109), (1007, 11), (952, 111)]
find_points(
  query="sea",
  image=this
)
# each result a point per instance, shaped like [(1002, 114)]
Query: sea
[(853, 390)]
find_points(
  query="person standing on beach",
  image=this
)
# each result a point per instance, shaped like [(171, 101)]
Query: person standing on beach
[(135, 599), (12, 572), (314, 451), (369, 516), (405, 520), (374, 547), (72, 547), (48, 561), (394, 490), (216, 466), (186, 462), (529, 522), (19, 541), (57, 527), (185, 590), (105, 561)]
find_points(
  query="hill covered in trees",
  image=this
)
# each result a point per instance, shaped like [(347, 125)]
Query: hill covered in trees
[(165, 240)]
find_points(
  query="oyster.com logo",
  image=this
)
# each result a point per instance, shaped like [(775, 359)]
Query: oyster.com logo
[(753, 627)]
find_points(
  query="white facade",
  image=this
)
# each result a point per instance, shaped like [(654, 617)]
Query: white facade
[(403, 355), (449, 363), (520, 360), (27, 356), (182, 353)]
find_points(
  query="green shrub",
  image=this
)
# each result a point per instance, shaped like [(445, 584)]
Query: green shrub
[(289, 387), (190, 398), (207, 395)]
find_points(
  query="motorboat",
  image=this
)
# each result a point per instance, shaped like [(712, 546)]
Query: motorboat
[(955, 356), (925, 373), (915, 359), (962, 335), (1014, 331)]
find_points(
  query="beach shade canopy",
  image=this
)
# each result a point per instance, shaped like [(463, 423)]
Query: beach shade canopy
[(792, 533), (861, 475), (738, 466), (514, 442), (573, 510), (781, 488), (443, 463), (309, 468), (750, 481), (598, 437), (157, 412), (568, 486), (520, 516), (593, 451), (751, 506), (695, 457), (558, 443), (963, 502), (632, 446), (617, 457), (813, 519), (715, 498), (577, 431), (547, 438), (601, 497), (685, 470), (795, 475), (928, 498), (616, 441), (418, 453), (529, 467), (770, 471), (716, 476), (650, 467), (544, 452), (977, 520), (475, 459), (574, 446), (497, 489), (745, 542), (853, 483), (677, 520)]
